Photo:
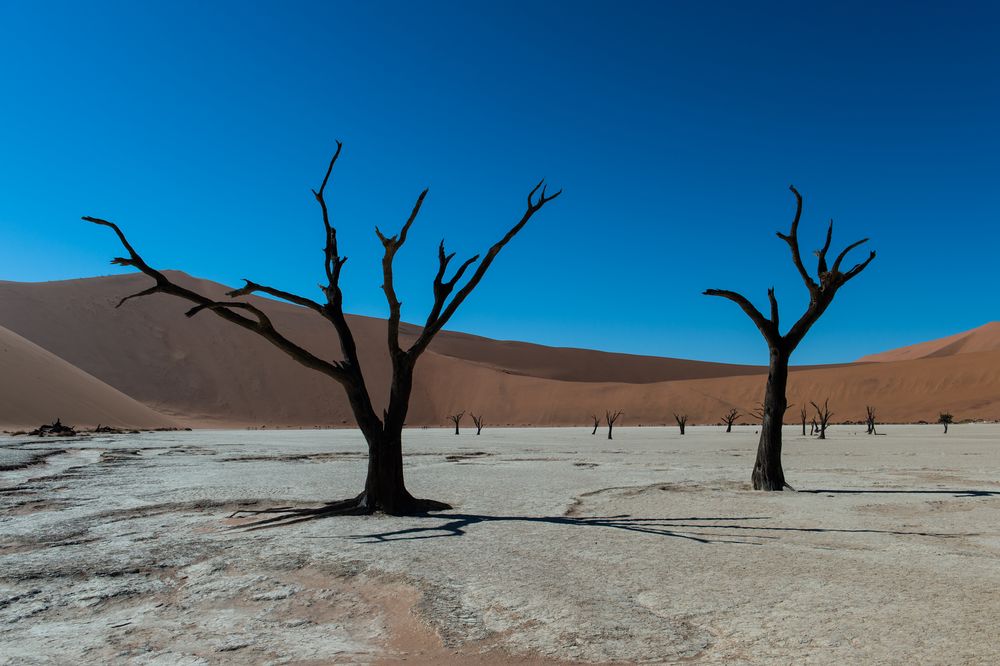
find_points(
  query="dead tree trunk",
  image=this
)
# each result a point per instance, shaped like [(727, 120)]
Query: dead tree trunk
[(804, 413), (384, 488), (767, 472), (682, 420), (823, 414), (729, 418), (456, 418), (812, 427), (946, 419), (478, 420), (870, 419), (597, 423), (610, 418)]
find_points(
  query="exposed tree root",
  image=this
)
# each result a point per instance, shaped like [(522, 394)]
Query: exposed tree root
[(355, 506)]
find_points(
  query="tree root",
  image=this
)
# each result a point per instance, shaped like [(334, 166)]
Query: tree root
[(355, 506)]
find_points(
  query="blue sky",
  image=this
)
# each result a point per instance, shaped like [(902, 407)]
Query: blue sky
[(674, 128)]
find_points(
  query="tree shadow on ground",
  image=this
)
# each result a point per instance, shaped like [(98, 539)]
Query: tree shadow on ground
[(961, 492), (703, 530)]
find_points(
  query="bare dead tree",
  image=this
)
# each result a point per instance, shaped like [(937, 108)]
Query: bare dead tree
[(478, 420), (767, 472), (384, 489), (729, 418), (456, 418), (870, 419), (682, 420), (804, 413), (597, 423), (812, 427), (610, 418), (823, 414), (946, 420)]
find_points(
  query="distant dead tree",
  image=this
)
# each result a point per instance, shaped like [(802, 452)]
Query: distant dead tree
[(758, 412), (729, 418), (682, 420), (384, 488), (456, 418), (812, 427), (946, 420), (870, 419), (823, 414), (767, 472), (597, 423), (610, 418), (478, 420), (803, 413)]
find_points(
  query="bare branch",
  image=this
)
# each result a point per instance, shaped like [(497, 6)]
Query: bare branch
[(843, 255), (262, 326), (859, 267), (792, 238), (821, 254), (252, 287), (767, 328), (441, 313), (392, 245), (774, 307)]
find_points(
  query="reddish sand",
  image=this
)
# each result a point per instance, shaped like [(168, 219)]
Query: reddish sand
[(39, 387), (205, 372), (984, 338)]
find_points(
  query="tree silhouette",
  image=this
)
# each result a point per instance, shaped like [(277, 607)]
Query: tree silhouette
[(478, 420), (803, 413), (946, 420), (384, 488), (682, 420), (729, 418), (610, 418), (456, 419), (767, 471), (870, 419), (823, 414), (597, 423)]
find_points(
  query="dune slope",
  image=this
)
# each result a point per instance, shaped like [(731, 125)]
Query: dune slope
[(38, 387)]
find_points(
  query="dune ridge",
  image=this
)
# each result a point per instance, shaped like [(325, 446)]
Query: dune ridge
[(202, 371)]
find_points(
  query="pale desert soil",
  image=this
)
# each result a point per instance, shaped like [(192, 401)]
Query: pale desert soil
[(561, 547)]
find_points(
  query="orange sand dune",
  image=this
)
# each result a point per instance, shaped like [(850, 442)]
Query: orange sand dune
[(983, 338), (204, 371), (38, 387)]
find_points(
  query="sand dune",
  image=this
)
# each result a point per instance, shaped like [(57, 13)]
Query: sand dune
[(37, 387), (204, 371), (983, 338)]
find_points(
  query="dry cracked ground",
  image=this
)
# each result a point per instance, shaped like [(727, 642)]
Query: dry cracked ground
[(562, 547)]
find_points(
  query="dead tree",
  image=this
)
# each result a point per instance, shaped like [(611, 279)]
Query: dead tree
[(870, 419), (682, 420), (946, 420), (804, 413), (610, 418), (456, 418), (823, 414), (812, 427), (767, 471), (384, 489), (729, 418), (597, 423), (478, 420)]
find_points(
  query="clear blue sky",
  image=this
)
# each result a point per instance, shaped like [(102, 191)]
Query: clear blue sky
[(675, 129)]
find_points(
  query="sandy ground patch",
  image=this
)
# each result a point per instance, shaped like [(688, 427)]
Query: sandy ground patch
[(562, 547)]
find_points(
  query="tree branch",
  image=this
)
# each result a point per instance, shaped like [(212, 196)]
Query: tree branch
[(262, 326), (767, 328), (441, 313), (792, 238)]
